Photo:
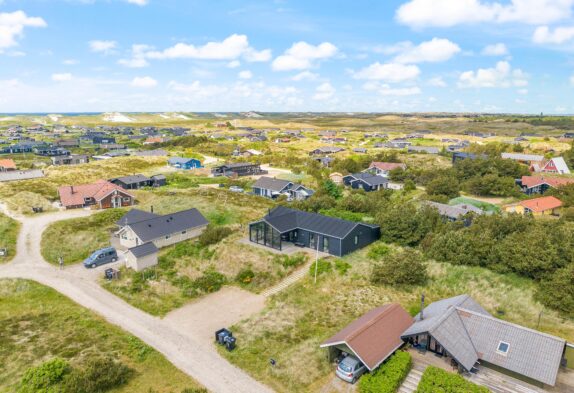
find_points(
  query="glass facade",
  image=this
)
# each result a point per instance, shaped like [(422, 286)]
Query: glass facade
[(264, 234)]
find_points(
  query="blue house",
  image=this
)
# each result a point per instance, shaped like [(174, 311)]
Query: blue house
[(184, 163)]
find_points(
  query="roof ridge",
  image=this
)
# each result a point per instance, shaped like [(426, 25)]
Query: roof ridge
[(501, 321)]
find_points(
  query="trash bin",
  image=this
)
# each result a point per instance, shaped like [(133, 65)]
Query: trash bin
[(221, 334), (230, 343), (109, 274)]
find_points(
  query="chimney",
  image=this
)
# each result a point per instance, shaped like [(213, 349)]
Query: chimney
[(72, 189), (422, 306)]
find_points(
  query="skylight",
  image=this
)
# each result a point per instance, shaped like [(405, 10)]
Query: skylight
[(503, 348)]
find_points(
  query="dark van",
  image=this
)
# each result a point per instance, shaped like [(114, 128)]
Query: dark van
[(101, 257)]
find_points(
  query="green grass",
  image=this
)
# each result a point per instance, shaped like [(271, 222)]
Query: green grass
[(9, 229), (77, 238), (298, 319), (39, 324), (489, 207)]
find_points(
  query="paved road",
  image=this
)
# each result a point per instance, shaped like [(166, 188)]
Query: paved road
[(190, 354)]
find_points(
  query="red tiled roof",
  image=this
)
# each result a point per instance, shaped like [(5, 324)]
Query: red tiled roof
[(374, 336), (8, 163), (542, 204), (75, 195), (533, 181), (387, 166)]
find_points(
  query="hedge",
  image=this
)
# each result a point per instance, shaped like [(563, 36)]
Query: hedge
[(389, 376), (438, 380)]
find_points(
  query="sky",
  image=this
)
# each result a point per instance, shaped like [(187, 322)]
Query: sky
[(505, 56)]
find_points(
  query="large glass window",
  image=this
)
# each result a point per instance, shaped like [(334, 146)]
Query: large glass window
[(262, 233), (326, 244), (312, 240)]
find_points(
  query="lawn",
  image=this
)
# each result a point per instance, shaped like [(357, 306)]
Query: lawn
[(75, 239), (297, 320), (39, 324), (489, 207), (8, 236)]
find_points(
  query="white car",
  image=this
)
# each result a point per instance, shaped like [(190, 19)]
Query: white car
[(236, 189)]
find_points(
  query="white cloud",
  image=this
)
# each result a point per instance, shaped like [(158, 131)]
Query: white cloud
[(433, 51), (245, 74), (62, 77), (70, 62), (234, 64), (499, 49), (386, 90), (522, 91), (572, 80), (231, 48), (502, 75), (197, 89), (324, 91), (144, 82), (543, 35), (102, 46), (12, 26), (437, 82), (302, 56), (305, 76), (388, 72), (448, 13), (137, 58), (138, 2)]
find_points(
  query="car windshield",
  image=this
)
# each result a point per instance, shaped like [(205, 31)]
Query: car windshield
[(345, 367)]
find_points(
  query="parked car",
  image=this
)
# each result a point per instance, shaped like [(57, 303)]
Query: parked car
[(350, 369), (101, 257), (236, 189)]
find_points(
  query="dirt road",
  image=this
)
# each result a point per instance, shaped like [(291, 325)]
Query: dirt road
[(190, 352)]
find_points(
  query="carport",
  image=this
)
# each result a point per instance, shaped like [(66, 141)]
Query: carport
[(373, 337)]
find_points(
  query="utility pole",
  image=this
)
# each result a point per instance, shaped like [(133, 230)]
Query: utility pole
[(317, 259), (539, 318)]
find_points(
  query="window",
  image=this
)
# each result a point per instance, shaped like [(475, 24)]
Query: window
[(356, 240), (503, 348), (183, 232), (127, 199)]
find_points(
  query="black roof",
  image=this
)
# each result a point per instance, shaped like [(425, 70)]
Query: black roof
[(370, 179), (270, 183), (159, 226), (285, 219), (135, 215), (131, 179), (143, 250)]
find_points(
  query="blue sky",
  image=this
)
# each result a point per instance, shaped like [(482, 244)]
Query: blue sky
[(286, 55)]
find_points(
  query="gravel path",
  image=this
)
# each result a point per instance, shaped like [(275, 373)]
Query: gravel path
[(190, 352)]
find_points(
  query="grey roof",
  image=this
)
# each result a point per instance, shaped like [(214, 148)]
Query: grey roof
[(426, 149), (531, 353), (369, 178), (270, 183), (456, 211), (522, 157), (180, 160), (21, 175), (469, 333), (135, 215), (151, 153), (168, 224), (132, 179), (285, 219), (143, 250)]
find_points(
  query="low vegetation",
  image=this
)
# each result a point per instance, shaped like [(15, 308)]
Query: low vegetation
[(77, 238), (9, 229), (438, 380), (50, 344), (389, 376)]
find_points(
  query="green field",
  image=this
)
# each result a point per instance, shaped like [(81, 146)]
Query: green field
[(8, 236), (39, 324), (488, 207)]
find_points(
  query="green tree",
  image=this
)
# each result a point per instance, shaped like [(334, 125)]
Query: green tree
[(405, 267), (330, 188), (444, 185)]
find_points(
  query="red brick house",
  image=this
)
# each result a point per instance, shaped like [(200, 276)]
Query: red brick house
[(99, 195)]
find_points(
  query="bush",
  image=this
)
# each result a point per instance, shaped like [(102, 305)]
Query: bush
[(290, 261), (97, 375), (213, 235), (389, 376), (378, 250), (323, 266), (245, 277), (401, 268), (557, 291), (341, 266), (438, 380), (45, 377)]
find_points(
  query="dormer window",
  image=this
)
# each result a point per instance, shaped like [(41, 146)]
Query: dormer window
[(503, 348)]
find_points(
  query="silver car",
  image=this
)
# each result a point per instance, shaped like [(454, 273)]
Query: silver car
[(350, 369), (235, 189)]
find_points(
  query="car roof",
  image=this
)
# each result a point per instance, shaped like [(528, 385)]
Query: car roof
[(350, 360)]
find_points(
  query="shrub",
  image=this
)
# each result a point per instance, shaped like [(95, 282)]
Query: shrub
[(213, 235), (557, 291), (341, 266), (97, 375), (323, 266), (378, 250), (438, 380), (389, 376), (402, 268), (245, 277), (211, 281), (290, 261), (45, 377)]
